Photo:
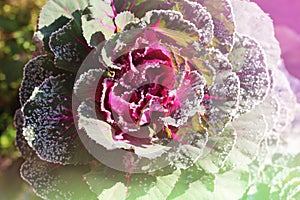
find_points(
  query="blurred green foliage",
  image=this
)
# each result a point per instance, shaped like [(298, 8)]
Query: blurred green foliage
[(18, 19)]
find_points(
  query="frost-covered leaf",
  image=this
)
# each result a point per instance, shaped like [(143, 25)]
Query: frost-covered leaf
[(224, 26), (217, 150), (270, 110), (88, 81), (189, 93), (248, 61), (35, 72), (191, 11), (198, 15), (266, 139), (20, 142), (281, 91), (85, 86), (222, 92), (56, 182), (54, 15), (211, 63), (252, 21), (103, 181), (158, 29), (49, 127), (98, 21), (69, 46), (267, 147), (172, 27), (248, 138), (220, 102), (190, 144)]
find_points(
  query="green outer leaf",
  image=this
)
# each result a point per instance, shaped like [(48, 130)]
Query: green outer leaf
[(231, 185), (54, 15), (56, 182), (98, 21), (118, 191), (139, 8), (194, 183), (69, 46), (35, 72), (124, 18), (258, 191), (285, 184), (57, 8), (163, 186), (197, 190), (248, 61), (104, 180), (49, 126)]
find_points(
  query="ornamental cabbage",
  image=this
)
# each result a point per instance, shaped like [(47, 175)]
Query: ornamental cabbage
[(151, 99)]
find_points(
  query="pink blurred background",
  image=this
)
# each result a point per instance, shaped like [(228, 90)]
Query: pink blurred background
[(286, 16)]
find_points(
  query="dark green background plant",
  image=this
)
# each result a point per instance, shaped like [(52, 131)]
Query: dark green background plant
[(18, 20)]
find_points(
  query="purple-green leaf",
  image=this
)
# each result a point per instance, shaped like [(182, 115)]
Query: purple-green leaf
[(49, 125), (224, 27), (57, 182), (69, 46), (35, 72), (248, 61), (105, 182)]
